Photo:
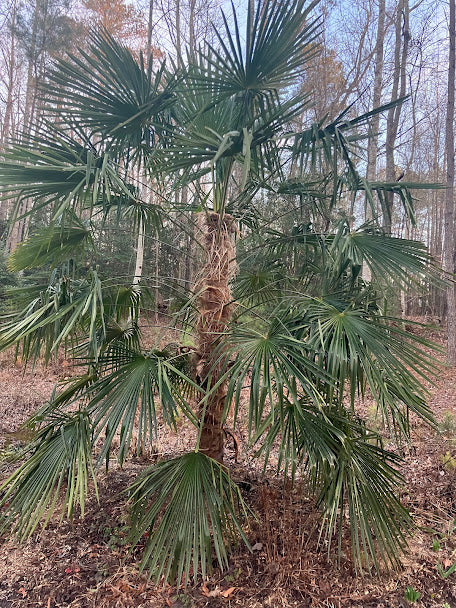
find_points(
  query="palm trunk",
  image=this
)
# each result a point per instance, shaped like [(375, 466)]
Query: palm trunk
[(215, 311)]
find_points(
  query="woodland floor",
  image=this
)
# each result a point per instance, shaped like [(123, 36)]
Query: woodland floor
[(85, 563)]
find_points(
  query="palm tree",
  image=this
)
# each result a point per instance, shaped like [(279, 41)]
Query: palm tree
[(279, 310)]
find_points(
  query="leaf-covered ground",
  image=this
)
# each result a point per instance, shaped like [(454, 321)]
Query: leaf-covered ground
[(86, 563)]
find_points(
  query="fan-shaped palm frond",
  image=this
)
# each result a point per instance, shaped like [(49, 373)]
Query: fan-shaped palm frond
[(322, 143), (55, 243), (55, 315), (355, 477), (109, 93), (60, 456), (319, 148), (132, 386), (258, 286), (299, 242), (127, 334), (54, 169), (360, 483), (190, 510), (301, 432), (278, 44), (238, 111), (274, 363), (358, 348), (122, 303), (336, 259), (401, 260)]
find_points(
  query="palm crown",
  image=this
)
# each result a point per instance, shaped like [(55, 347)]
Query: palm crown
[(281, 313)]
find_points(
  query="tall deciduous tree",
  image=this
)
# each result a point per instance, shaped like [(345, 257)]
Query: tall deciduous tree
[(11, 75), (120, 19), (399, 89), (449, 243), (372, 145)]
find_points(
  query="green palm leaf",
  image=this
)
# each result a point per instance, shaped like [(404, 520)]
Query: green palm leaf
[(55, 243), (132, 386), (301, 432), (56, 315), (357, 347), (237, 111), (278, 44), (361, 483), (190, 510), (60, 456), (401, 260), (109, 93), (54, 169), (276, 363)]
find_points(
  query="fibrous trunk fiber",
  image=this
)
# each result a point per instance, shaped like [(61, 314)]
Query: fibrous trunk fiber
[(215, 310)]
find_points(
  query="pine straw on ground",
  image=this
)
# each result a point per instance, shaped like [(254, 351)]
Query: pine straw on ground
[(86, 563)]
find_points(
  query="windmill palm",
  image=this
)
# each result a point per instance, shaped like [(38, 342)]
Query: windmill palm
[(282, 314)]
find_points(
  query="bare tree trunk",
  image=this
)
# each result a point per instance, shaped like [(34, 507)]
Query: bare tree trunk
[(251, 14), (402, 38), (140, 240), (10, 78), (191, 33), (157, 287), (149, 31), (8, 115), (449, 247), (178, 33), (372, 146), (18, 231), (31, 71), (139, 256)]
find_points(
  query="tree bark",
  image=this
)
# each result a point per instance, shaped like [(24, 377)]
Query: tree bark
[(149, 31), (448, 253), (251, 14), (191, 26), (139, 256), (32, 71), (10, 78), (8, 115), (178, 33), (374, 127), (401, 45), (19, 230), (372, 146)]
